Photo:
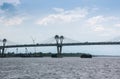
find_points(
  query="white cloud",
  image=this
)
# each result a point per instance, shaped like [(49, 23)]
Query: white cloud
[(99, 29), (95, 20), (118, 25), (11, 21), (95, 9), (58, 9), (14, 2), (105, 34), (63, 16), (8, 7), (102, 24), (99, 20), (105, 31), (1, 11), (10, 16)]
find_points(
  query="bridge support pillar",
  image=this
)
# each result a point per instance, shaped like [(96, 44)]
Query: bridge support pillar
[(3, 49), (59, 41), (0, 52)]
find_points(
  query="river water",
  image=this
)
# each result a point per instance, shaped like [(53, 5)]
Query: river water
[(60, 68)]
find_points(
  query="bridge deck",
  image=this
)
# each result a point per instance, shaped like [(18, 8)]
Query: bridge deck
[(64, 44)]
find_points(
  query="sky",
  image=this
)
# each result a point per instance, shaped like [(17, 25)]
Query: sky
[(21, 21)]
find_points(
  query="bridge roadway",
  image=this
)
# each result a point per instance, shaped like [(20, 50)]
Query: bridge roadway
[(64, 44)]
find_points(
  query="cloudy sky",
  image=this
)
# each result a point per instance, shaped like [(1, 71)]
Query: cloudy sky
[(82, 20)]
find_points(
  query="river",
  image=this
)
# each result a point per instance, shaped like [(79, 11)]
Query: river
[(60, 68)]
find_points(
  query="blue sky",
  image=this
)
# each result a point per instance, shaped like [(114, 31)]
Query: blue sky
[(82, 20)]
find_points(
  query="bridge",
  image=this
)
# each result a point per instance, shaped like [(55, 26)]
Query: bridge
[(59, 44)]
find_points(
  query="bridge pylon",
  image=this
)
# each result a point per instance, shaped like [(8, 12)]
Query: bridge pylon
[(3, 49), (59, 41), (0, 52)]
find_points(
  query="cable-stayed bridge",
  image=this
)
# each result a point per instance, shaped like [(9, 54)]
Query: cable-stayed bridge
[(58, 41), (64, 44)]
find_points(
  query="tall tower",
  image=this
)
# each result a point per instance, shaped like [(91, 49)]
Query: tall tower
[(3, 49), (59, 41)]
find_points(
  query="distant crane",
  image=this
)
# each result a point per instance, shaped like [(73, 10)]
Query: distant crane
[(33, 40), (16, 50), (26, 50)]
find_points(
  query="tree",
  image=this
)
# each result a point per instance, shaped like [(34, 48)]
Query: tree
[(86, 56)]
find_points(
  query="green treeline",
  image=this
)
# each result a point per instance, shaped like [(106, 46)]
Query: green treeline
[(40, 54)]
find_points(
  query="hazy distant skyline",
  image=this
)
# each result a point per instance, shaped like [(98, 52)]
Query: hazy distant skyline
[(83, 20)]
